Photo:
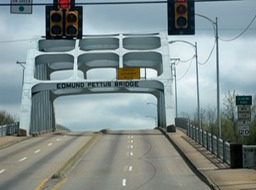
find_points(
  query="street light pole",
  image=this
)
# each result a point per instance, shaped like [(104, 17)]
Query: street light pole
[(23, 67), (197, 79), (153, 118), (156, 118), (197, 85), (218, 79), (173, 68), (215, 26)]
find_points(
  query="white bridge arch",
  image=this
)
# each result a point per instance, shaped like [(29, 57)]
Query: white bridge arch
[(102, 51)]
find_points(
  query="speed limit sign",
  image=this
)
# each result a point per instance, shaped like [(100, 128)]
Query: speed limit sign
[(244, 130)]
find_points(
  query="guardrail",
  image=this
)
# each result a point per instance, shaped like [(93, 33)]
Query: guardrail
[(249, 156), (209, 141), (220, 148), (9, 129), (61, 128)]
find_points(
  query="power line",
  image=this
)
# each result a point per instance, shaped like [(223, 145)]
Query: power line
[(232, 39), (12, 41), (186, 70), (203, 63)]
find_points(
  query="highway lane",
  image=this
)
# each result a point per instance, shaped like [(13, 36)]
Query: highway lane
[(132, 160), (25, 165)]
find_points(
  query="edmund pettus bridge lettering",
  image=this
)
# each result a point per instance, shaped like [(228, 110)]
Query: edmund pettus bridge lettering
[(73, 85)]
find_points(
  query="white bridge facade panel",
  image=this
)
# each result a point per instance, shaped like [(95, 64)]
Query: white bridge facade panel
[(46, 57)]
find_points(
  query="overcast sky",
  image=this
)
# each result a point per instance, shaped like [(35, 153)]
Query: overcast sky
[(237, 60)]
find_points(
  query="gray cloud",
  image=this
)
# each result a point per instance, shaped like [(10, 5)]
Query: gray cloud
[(237, 60)]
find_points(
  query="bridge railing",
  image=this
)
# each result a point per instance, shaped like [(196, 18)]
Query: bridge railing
[(61, 128), (13, 128), (218, 146), (212, 143), (249, 156), (9, 129)]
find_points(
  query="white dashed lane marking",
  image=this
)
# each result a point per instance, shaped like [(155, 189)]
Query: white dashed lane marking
[(2, 171), (50, 144), (22, 159), (37, 151), (124, 182)]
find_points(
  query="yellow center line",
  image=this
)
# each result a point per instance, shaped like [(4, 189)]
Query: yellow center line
[(58, 185), (41, 184)]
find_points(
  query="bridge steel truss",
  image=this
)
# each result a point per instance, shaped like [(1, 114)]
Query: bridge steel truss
[(116, 51)]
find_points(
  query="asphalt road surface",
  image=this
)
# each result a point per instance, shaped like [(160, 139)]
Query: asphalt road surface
[(133, 160), (25, 165)]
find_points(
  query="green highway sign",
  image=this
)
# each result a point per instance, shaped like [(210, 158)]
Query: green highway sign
[(243, 100)]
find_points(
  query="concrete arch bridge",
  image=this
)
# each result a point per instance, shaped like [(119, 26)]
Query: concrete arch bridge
[(122, 52)]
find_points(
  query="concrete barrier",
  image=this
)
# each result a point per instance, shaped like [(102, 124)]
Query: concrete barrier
[(171, 129)]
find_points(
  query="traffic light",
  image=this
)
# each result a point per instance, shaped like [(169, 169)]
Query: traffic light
[(54, 23), (64, 20), (181, 17), (73, 23)]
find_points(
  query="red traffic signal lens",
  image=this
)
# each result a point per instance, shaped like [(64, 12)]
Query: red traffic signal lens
[(64, 4), (181, 9)]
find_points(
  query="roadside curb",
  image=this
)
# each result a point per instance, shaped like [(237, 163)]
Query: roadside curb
[(14, 140), (66, 168), (191, 165), (60, 177)]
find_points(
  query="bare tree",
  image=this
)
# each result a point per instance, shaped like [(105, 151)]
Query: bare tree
[(6, 118), (254, 109), (230, 111)]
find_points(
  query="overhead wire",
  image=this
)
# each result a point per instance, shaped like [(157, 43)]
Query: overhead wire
[(203, 63), (12, 41), (238, 36), (186, 70)]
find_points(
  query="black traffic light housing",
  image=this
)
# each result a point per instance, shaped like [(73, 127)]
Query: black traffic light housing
[(181, 17), (64, 21), (73, 23), (54, 23)]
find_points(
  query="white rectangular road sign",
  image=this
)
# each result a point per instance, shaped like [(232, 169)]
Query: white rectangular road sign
[(244, 113), (244, 130), (21, 6), (244, 108), (244, 116)]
